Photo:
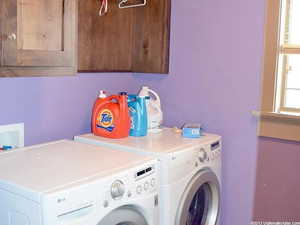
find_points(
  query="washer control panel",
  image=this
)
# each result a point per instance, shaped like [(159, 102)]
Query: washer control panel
[(109, 191), (209, 152), (215, 150), (128, 185), (146, 186), (145, 180)]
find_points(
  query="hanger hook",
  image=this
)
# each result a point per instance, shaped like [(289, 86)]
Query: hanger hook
[(103, 8)]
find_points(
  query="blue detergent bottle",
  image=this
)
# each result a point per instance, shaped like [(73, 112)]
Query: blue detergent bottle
[(138, 116)]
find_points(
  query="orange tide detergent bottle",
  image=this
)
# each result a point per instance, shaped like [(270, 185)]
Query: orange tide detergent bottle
[(111, 116)]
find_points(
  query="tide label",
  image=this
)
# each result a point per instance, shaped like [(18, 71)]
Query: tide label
[(105, 120)]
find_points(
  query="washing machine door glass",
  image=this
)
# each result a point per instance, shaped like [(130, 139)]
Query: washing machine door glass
[(200, 201), (125, 215)]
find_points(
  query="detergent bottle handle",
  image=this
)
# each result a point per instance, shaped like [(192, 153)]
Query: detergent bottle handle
[(131, 98), (121, 99), (113, 97), (107, 99), (157, 101)]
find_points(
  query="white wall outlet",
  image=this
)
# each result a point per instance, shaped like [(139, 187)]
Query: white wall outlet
[(12, 135)]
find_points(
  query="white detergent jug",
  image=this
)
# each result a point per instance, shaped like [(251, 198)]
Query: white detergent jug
[(154, 113)]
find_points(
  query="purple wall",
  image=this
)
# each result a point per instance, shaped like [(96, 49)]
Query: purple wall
[(277, 189), (216, 49), (54, 108), (214, 79)]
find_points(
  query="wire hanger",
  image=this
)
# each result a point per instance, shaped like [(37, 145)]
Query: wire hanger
[(123, 5)]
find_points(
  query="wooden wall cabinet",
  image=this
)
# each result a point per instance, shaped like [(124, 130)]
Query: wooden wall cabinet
[(38, 37), (124, 40)]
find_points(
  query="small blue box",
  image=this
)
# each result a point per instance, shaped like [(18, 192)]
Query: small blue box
[(191, 131)]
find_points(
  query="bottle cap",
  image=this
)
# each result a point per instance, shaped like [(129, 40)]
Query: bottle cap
[(123, 93), (144, 92), (102, 94)]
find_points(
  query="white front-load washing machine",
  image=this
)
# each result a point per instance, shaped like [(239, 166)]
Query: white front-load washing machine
[(190, 175), (69, 183)]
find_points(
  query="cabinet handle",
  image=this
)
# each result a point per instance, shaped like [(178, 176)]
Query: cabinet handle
[(12, 37), (5, 37)]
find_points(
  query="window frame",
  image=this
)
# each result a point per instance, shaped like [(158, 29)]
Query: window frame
[(272, 121), (286, 49)]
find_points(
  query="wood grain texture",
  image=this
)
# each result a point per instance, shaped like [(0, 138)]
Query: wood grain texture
[(105, 43), (40, 24), (135, 39), (1, 32), (46, 37), (285, 129), (152, 37), (271, 40), (36, 71), (9, 22)]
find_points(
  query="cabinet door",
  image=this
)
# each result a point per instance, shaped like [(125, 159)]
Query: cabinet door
[(152, 30), (126, 40), (105, 43), (39, 33), (1, 36)]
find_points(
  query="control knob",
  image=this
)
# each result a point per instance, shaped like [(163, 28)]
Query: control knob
[(202, 155), (117, 189)]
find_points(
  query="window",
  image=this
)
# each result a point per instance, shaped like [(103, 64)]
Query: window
[(289, 57), (280, 110)]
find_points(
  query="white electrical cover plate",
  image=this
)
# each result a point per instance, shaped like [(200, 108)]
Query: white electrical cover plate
[(12, 135)]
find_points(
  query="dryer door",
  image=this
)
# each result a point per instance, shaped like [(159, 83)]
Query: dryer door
[(200, 202), (124, 216)]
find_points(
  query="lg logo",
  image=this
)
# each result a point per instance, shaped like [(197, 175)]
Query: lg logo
[(60, 200)]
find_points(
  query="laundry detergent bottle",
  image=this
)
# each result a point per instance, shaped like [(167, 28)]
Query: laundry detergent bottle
[(154, 112), (110, 117), (138, 116)]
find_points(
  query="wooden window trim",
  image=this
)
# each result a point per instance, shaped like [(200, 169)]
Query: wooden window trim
[(273, 122)]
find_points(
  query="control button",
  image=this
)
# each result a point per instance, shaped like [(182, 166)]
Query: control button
[(105, 204), (129, 194), (139, 189), (117, 189), (196, 164), (216, 155), (152, 182), (146, 185), (213, 158)]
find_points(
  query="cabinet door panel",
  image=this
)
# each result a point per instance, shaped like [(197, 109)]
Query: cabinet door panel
[(40, 25), (44, 32), (105, 43), (152, 32), (134, 39)]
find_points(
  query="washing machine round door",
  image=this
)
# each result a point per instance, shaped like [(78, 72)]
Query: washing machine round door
[(124, 216), (200, 202)]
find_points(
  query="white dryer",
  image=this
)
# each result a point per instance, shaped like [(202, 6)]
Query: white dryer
[(190, 176), (69, 183)]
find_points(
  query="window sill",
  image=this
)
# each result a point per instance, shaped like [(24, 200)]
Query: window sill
[(274, 115), (278, 125)]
